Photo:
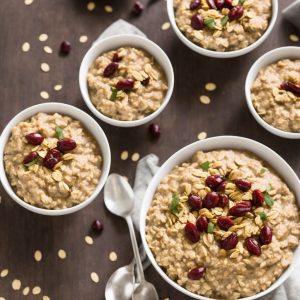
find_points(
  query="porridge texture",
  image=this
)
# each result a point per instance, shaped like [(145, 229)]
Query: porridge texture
[(223, 225), (276, 95), (126, 84), (52, 161), (223, 25)]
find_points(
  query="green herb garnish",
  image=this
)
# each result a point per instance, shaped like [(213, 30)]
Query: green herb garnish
[(205, 166), (173, 208), (59, 133), (210, 23), (262, 170), (224, 20), (210, 227), (268, 199), (113, 94), (263, 216), (242, 1), (31, 163)]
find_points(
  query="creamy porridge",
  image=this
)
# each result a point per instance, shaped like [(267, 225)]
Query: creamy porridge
[(126, 84), (223, 225), (52, 161), (276, 95), (223, 25)]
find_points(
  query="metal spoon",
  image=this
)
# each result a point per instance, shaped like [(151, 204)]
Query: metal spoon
[(119, 200)]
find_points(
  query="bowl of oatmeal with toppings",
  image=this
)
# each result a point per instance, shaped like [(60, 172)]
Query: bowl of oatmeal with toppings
[(55, 159), (126, 80), (273, 91), (220, 219), (222, 28)]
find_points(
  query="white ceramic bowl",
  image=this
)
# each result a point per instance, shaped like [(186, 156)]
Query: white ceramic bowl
[(221, 142), (115, 42), (89, 123), (216, 54), (265, 60)]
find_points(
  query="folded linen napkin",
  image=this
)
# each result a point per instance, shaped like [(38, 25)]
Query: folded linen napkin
[(292, 13)]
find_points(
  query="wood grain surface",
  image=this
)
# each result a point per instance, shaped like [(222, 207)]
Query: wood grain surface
[(22, 232)]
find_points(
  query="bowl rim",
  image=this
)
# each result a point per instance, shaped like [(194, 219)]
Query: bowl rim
[(210, 144), (276, 54), (218, 54), (145, 44), (64, 109)]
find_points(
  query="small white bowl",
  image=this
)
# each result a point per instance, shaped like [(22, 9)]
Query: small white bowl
[(88, 122), (220, 142), (115, 42), (265, 60), (218, 54)]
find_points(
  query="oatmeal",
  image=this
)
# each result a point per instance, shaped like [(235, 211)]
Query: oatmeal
[(223, 25), (126, 84), (276, 95), (223, 225), (52, 161)]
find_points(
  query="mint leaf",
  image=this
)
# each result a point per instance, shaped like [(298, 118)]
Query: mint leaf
[(31, 163), (173, 208), (262, 170), (59, 133), (210, 23), (205, 166), (224, 20), (242, 1), (210, 227), (113, 94), (268, 199), (263, 216)]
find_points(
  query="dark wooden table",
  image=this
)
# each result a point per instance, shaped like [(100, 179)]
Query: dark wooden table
[(22, 232)]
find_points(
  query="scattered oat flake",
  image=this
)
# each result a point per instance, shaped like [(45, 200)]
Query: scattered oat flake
[(91, 6), (135, 157), (36, 290), (44, 95), (204, 99), (83, 39), (210, 86), (25, 47), (26, 291), (95, 277), (16, 284), (89, 240), (38, 255), (108, 8), (28, 2), (45, 67), (62, 254), (113, 256), (46, 298), (57, 87), (43, 37), (48, 49), (294, 38), (4, 273), (124, 155), (165, 26), (2, 298), (202, 135)]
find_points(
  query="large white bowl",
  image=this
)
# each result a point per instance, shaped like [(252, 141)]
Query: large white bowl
[(89, 123), (115, 42), (221, 142), (265, 60), (217, 54)]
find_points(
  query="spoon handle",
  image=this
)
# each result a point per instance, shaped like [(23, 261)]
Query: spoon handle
[(135, 247)]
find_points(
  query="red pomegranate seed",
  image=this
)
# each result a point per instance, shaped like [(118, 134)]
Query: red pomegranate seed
[(30, 157), (211, 200), (52, 157), (202, 224), (197, 22), (191, 232), (230, 242), (97, 226), (212, 4), (236, 12), (224, 222), (66, 144), (110, 69), (214, 180), (228, 3), (220, 187), (194, 4), (239, 209), (125, 85), (223, 201), (65, 47), (243, 185), (253, 246), (265, 236), (291, 87), (34, 138), (145, 82), (116, 57), (219, 4), (195, 202), (257, 198), (138, 8), (196, 273), (154, 130)]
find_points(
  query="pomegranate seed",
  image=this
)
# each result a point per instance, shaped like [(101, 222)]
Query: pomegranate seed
[(66, 144), (145, 82), (223, 201), (212, 4), (34, 138), (291, 87), (257, 198), (243, 185), (230, 242), (239, 209), (116, 57), (224, 222), (194, 4), (154, 130), (97, 226), (213, 181), (125, 85), (195, 202), (30, 157), (219, 4), (65, 47), (197, 22), (138, 8), (246, 203), (236, 12), (110, 69), (220, 187), (265, 235), (228, 3), (211, 200), (52, 157), (253, 246), (196, 273), (202, 224), (191, 232)]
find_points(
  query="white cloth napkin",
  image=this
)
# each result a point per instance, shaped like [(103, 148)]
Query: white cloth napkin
[(292, 14)]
